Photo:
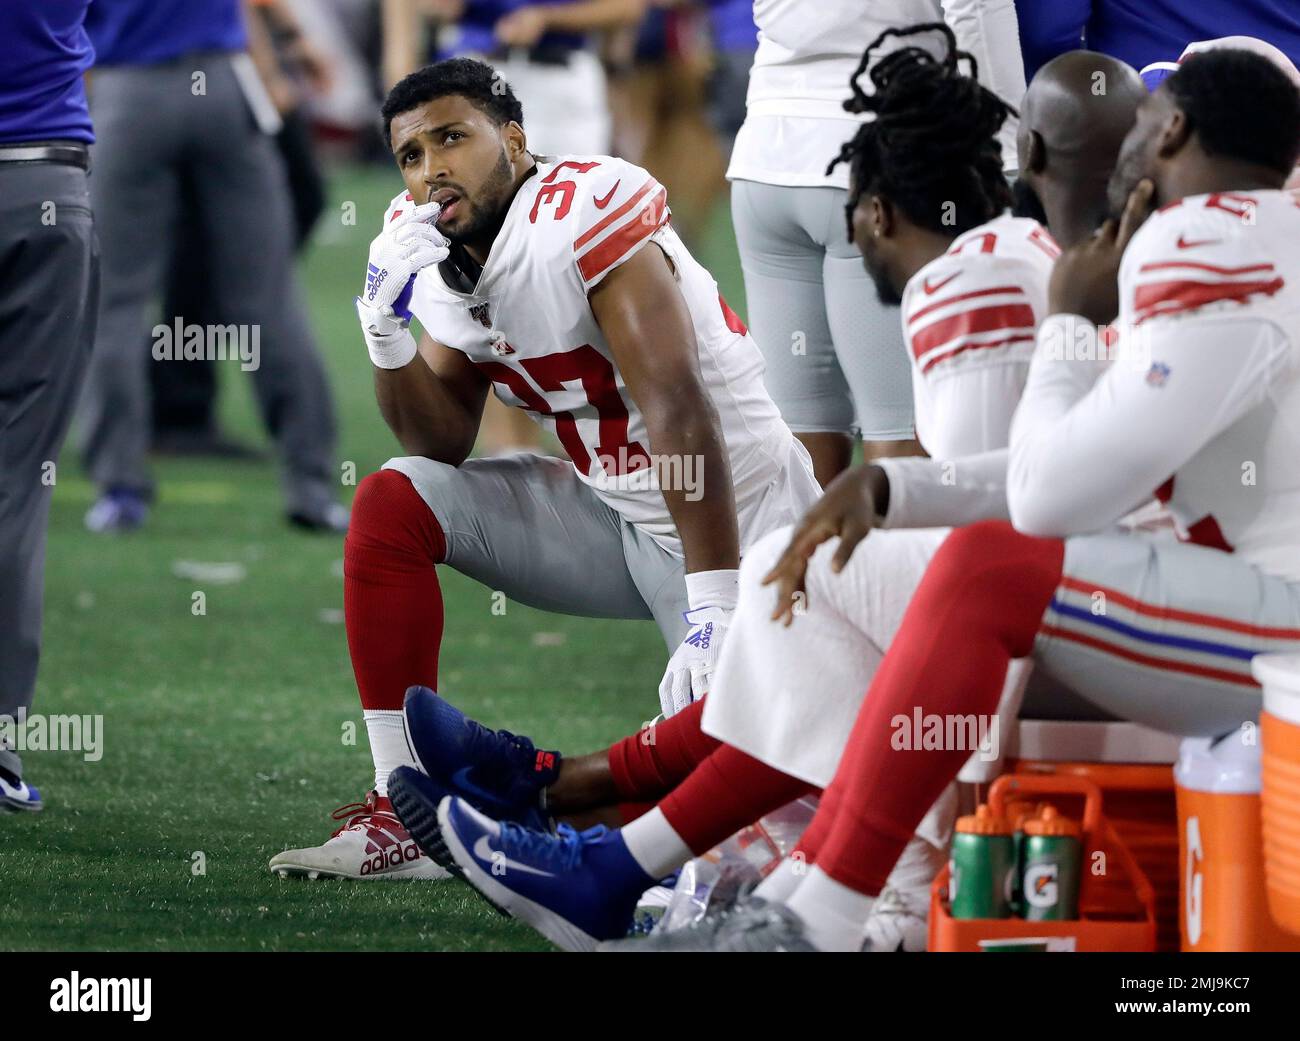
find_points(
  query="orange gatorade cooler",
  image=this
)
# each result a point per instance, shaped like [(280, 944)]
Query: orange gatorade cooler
[(1222, 905), (1279, 674)]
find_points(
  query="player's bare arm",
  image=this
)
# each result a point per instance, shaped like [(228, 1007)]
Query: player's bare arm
[(434, 404), (643, 316)]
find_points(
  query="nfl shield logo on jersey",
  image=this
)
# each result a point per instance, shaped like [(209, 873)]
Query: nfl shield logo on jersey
[(479, 312), (1158, 374)]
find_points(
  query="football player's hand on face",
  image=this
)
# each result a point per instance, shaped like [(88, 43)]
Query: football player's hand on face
[(846, 510), (1085, 278), (399, 253), (690, 669)]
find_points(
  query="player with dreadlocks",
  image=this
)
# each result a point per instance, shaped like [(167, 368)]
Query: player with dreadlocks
[(789, 696)]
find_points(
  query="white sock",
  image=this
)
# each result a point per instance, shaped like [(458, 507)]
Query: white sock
[(387, 744), (655, 845), (834, 915), (780, 885)]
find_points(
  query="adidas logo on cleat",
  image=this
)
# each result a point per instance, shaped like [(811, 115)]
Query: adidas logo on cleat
[(387, 860)]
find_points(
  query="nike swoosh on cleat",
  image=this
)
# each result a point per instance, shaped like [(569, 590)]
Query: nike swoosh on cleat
[(603, 202), (483, 851)]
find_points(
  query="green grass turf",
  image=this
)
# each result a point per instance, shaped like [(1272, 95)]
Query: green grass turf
[(225, 733)]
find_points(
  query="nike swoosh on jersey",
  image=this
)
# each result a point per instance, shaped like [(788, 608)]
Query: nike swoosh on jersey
[(483, 851), (1192, 243), (603, 202), (929, 289)]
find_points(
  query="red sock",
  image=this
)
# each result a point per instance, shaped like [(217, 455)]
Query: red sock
[(651, 762), (727, 791), (979, 605), (630, 811), (392, 603), (814, 836)]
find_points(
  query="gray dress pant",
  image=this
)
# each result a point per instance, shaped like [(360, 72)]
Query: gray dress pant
[(155, 124), (49, 284)]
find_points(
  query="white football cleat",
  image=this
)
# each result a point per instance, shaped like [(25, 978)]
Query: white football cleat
[(899, 921), (370, 844)]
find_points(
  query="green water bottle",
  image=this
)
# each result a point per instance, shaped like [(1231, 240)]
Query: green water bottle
[(1018, 811), (982, 866), (1049, 878)]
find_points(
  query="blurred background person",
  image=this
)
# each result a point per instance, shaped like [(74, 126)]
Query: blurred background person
[(49, 272), (1140, 33), (546, 53), (660, 102), (292, 69), (836, 364), (177, 96)]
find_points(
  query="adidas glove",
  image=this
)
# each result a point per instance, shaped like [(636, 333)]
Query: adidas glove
[(712, 598), (399, 253)]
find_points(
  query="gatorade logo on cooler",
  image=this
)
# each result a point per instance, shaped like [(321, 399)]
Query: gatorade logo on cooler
[(1193, 903), (1041, 888)]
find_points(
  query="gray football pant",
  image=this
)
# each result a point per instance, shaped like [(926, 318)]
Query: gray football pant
[(152, 129), (835, 356), (49, 281), (526, 526)]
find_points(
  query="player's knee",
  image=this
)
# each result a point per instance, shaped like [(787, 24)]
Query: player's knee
[(387, 510), (996, 578), (996, 542)]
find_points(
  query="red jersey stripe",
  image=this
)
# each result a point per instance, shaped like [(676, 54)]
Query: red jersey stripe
[(648, 220), (1247, 269), (1174, 614), (929, 308), (976, 320), (1022, 338), (1161, 298), (610, 218)]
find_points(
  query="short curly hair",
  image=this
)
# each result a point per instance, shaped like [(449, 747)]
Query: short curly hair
[(476, 81), (1240, 105)]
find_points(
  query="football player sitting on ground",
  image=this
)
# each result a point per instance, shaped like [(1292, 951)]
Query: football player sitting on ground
[(561, 281), (1207, 291), (799, 689)]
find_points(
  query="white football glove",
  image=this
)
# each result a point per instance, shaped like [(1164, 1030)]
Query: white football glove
[(712, 597), (399, 253), (691, 667)]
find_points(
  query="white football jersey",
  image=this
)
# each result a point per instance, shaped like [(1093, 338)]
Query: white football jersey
[(795, 121), (527, 325), (968, 320), (1227, 264)]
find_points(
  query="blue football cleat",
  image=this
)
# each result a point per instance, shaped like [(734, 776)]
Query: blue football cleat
[(575, 888), (18, 796), (495, 771), (415, 798)]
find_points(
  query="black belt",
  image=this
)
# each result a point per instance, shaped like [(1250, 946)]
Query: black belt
[(67, 153)]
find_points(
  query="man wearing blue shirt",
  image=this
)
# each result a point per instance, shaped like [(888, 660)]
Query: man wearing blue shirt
[(49, 272), (175, 96), (1140, 32)]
